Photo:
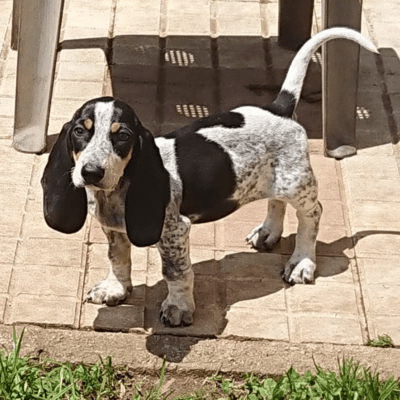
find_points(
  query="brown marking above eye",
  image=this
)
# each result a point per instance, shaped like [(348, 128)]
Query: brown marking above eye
[(88, 124), (76, 155), (115, 127)]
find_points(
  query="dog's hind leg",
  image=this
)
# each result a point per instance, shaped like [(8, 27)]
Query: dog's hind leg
[(302, 264), (266, 235), (178, 307)]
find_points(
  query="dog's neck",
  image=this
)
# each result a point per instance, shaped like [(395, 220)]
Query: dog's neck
[(108, 206)]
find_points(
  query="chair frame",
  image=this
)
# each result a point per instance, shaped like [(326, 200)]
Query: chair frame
[(36, 31)]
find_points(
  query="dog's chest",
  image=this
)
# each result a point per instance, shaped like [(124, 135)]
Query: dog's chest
[(108, 207)]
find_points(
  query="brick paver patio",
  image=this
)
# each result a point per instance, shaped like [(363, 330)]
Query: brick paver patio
[(175, 60)]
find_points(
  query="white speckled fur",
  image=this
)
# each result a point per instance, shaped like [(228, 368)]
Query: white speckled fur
[(264, 137), (270, 158)]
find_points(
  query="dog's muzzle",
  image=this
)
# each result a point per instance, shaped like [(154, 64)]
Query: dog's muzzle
[(92, 174)]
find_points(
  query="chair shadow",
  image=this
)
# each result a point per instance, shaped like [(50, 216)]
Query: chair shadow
[(376, 127), (219, 285), (171, 81)]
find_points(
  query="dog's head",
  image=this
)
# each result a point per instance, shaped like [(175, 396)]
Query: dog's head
[(104, 136), (102, 144)]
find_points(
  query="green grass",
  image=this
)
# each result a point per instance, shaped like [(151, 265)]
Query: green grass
[(381, 341), (353, 382), (24, 378), (29, 378)]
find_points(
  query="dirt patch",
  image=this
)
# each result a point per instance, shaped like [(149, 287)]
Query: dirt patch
[(175, 384)]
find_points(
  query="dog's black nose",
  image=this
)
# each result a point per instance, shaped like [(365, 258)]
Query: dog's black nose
[(92, 174)]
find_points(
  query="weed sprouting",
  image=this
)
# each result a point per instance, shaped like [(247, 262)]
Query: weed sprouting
[(381, 341)]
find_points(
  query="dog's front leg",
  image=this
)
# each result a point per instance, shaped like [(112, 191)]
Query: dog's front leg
[(178, 307), (118, 285)]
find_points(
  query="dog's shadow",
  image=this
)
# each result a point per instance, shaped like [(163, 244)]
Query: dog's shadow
[(220, 284)]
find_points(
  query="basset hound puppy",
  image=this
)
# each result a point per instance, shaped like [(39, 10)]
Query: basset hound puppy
[(147, 191)]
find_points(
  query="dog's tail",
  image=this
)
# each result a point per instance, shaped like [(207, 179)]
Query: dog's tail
[(287, 99)]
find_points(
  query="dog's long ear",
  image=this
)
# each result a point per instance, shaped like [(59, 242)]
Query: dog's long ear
[(148, 194), (64, 205)]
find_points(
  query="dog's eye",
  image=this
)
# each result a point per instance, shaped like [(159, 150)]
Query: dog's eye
[(78, 131), (123, 136)]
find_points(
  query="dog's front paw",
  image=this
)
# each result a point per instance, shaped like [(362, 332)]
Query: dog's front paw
[(177, 310), (264, 238), (109, 291), (299, 270)]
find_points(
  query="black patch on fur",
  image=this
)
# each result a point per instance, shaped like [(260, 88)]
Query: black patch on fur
[(206, 170), (148, 194), (86, 111), (130, 125), (64, 205), (284, 105)]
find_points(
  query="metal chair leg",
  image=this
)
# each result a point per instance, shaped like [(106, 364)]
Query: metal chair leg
[(38, 38), (295, 22), (15, 23), (340, 79)]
